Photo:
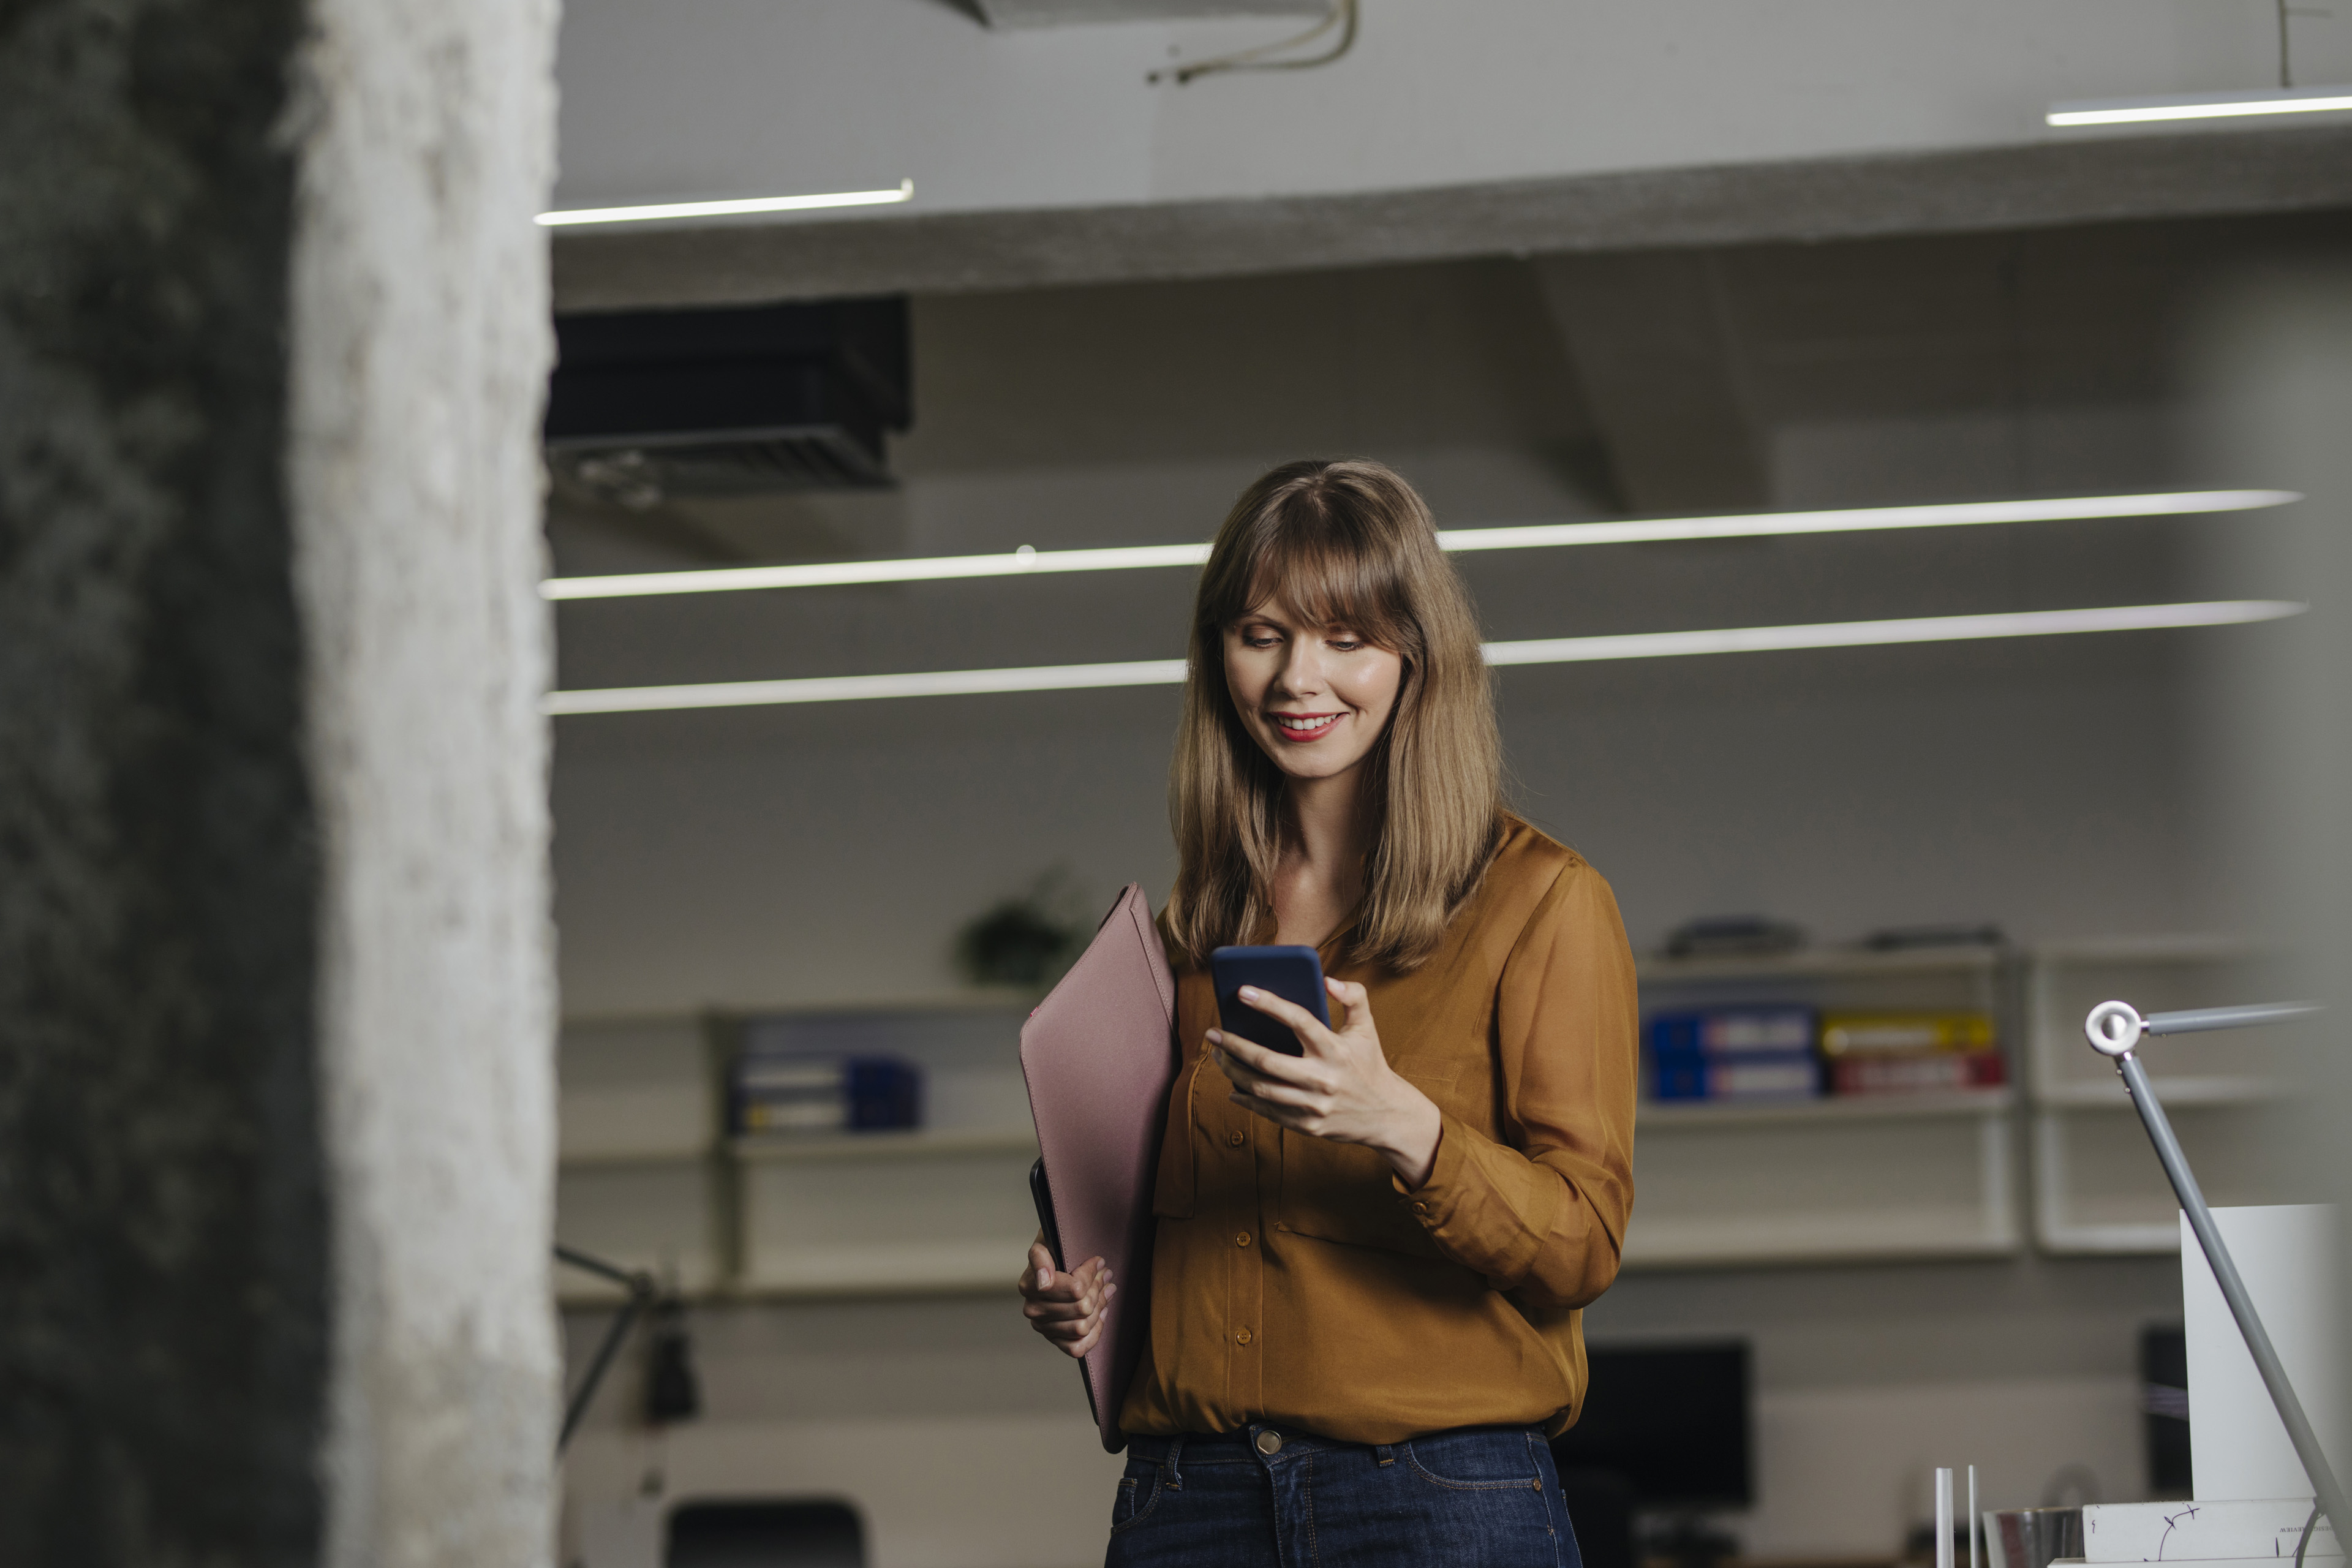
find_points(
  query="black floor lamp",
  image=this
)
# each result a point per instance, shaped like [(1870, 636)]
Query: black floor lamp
[(672, 1394)]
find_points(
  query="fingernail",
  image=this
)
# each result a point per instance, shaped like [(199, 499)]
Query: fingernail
[(1044, 1278), (1249, 993), (1216, 1038)]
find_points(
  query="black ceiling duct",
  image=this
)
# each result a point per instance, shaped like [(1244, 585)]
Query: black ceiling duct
[(645, 405)]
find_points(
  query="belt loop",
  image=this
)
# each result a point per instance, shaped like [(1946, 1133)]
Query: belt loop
[(1384, 1454), (1172, 1464)]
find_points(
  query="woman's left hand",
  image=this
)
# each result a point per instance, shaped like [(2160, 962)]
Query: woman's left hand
[(1342, 1089)]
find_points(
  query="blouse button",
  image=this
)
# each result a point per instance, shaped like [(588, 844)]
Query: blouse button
[(1235, 1139), (1240, 1238), (1241, 1336)]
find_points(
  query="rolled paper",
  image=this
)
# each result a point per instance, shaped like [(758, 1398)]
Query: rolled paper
[(1976, 1524)]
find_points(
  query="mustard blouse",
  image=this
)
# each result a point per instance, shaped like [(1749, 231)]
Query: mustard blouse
[(1296, 1282)]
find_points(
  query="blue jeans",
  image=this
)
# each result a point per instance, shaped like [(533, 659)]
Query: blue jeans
[(1477, 1497)]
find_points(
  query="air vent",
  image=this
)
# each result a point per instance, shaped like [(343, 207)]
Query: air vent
[(646, 405)]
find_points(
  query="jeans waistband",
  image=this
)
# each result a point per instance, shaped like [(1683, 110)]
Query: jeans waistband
[(1240, 1447), (1197, 1449)]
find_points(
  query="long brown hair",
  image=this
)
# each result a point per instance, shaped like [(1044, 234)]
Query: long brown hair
[(1339, 542)]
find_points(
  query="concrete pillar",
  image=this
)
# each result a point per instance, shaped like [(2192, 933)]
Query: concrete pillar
[(276, 1088)]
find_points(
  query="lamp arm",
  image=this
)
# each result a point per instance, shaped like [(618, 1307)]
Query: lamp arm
[(2114, 1028), (642, 1288)]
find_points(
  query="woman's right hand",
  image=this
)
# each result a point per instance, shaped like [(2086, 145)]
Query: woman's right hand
[(1066, 1308)]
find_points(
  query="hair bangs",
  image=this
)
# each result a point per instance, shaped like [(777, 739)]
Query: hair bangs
[(1326, 576)]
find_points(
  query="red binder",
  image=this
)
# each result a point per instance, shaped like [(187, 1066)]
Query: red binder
[(1099, 1054)]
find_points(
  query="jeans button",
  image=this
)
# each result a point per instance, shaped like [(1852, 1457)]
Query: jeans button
[(1269, 1443)]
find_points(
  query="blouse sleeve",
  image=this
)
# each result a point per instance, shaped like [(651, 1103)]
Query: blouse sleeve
[(1543, 1213)]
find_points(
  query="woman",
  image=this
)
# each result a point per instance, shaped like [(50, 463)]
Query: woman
[(1369, 1259)]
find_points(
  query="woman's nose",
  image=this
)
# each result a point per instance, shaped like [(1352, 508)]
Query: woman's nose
[(1301, 677)]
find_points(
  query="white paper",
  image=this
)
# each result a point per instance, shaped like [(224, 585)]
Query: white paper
[(2264, 1530), (2237, 1447)]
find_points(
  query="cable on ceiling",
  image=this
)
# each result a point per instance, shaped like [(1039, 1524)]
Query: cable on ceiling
[(1342, 15), (2286, 11)]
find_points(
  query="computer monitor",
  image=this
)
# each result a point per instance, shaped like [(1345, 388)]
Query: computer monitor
[(764, 1532), (1672, 1419), (2164, 1396)]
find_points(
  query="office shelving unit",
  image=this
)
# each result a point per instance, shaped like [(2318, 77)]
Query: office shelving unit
[(885, 1211), (1833, 1180), (2096, 1188), (649, 1180), (640, 1179)]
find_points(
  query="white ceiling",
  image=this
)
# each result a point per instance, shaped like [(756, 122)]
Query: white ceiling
[(749, 98)]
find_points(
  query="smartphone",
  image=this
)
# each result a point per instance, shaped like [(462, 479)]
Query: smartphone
[(1292, 973), (1044, 1199)]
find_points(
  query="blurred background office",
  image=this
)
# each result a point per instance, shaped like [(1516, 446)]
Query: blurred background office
[(1897, 452), (1559, 264)]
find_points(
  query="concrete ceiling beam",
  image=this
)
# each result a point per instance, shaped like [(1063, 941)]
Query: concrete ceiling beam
[(2042, 184), (1657, 352)]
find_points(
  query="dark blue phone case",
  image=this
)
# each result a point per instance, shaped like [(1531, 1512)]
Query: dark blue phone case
[(1292, 973)]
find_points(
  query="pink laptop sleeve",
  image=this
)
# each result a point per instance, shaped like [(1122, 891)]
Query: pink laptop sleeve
[(1099, 1054)]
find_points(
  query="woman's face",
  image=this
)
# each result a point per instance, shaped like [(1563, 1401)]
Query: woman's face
[(1316, 699)]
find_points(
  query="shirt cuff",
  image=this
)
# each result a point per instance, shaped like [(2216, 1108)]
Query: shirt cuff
[(1474, 1221), (1433, 1203)]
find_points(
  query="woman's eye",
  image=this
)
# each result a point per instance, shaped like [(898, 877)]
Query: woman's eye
[(1345, 645)]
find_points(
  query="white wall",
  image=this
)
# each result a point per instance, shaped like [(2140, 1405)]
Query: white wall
[(794, 859), (746, 96)]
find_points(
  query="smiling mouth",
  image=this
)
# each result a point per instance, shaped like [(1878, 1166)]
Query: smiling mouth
[(1303, 726)]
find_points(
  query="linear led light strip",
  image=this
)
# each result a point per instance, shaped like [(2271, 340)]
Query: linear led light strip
[(905, 192), (1547, 650), (1027, 560), (2200, 106)]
